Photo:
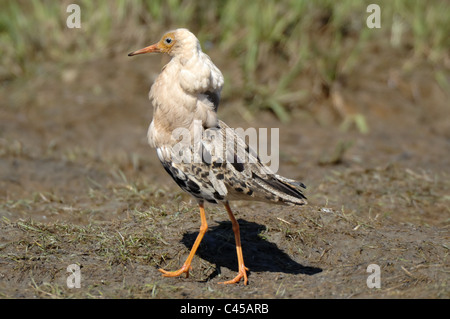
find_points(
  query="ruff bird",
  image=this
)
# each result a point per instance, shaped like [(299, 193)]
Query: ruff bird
[(219, 166)]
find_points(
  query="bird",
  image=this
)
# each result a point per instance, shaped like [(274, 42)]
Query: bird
[(185, 97)]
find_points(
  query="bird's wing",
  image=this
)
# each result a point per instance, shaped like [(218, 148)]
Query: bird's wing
[(224, 167), (245, 174), (213, 97), (193, 175)]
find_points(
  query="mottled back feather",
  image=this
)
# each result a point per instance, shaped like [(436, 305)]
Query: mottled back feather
[(222, 175)]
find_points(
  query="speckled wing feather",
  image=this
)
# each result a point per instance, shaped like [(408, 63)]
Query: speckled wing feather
[(234, 172)]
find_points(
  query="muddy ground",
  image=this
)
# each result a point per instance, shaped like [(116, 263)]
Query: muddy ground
[(79, 185)]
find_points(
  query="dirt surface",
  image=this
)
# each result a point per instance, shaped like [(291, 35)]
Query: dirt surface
[(79, 185)]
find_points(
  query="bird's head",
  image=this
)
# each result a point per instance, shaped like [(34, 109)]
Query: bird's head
[(174, 43)]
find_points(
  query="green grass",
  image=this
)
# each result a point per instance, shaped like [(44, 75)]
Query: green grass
[(324, 37)]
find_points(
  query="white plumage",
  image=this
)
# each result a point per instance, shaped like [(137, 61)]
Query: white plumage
[(185, 98), (187, 89)]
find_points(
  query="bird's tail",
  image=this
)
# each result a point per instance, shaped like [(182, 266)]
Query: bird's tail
[(285, 190)]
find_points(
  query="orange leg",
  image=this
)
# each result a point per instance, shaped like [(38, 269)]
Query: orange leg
[(187, 264), (237, 237)]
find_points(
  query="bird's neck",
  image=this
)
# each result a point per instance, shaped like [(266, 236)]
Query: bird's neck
[(188, 54), (176, 106)]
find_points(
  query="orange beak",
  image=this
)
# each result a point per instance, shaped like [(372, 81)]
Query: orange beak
[(149, 49)]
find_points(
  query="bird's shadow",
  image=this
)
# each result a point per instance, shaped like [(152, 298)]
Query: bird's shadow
[(218, 247)]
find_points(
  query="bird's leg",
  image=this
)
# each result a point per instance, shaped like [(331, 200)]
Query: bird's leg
[(187, 264), (237, 237)]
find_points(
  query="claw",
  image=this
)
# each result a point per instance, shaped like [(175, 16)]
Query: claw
[(184, 269), (242, 274)]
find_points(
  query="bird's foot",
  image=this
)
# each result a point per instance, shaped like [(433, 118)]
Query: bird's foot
[(242, 274), (184, 269)]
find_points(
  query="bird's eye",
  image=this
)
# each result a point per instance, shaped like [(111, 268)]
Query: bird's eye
[(168, 40)]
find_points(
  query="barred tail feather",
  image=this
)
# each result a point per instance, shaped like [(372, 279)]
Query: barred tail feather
[(287, 190)]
